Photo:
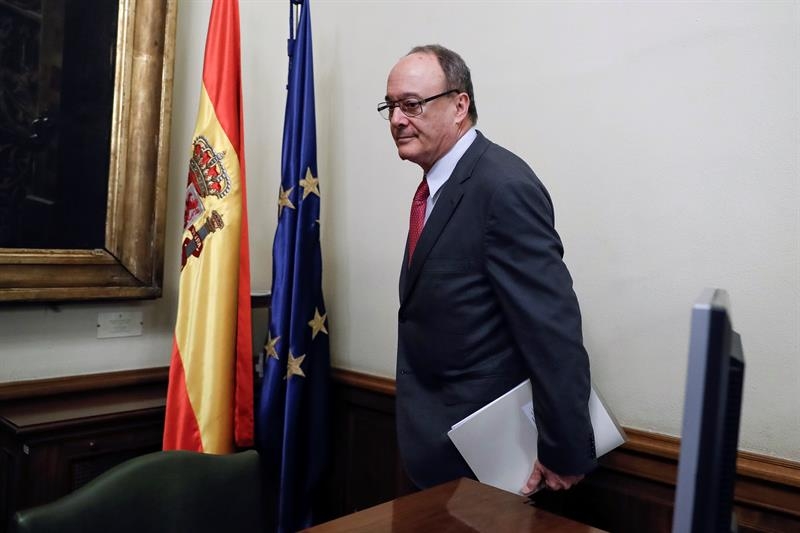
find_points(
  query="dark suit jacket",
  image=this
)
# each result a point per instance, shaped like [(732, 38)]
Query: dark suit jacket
[(486, 303)]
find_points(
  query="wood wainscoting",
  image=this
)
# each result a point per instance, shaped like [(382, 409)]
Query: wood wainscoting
[(631, 491), (58, 434)]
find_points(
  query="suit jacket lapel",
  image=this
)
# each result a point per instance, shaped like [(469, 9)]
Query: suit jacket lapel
[(446, 204), (404, 271)]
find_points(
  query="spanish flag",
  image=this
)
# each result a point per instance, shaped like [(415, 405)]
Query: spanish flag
[(210, 396)]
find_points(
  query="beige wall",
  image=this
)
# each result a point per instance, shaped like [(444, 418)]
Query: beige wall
[(667, 134)]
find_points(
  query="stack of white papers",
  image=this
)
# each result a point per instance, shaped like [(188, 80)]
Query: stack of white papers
[(499, 440)]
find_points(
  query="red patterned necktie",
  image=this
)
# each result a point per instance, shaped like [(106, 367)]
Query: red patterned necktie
[(417, 220)]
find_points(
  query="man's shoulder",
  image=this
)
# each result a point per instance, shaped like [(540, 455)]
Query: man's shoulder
[(500, 164)]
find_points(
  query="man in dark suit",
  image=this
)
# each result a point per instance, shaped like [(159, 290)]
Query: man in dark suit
[(485, 298)]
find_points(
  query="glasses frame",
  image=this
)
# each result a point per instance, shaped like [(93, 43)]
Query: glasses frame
[(390, 106)]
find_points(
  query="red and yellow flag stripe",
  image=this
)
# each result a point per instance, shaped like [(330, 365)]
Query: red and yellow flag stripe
[(210, 397)]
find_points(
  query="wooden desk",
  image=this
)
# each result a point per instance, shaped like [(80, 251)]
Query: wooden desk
[(462, 505)]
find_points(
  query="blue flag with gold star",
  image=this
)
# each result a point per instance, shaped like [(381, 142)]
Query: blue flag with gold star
[(292, 421)]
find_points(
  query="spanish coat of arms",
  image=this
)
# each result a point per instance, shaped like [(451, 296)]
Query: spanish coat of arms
[(207, 177)]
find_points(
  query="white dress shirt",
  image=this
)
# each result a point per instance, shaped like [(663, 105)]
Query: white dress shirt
[(440, 171)]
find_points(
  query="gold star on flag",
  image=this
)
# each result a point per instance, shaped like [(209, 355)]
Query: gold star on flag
[(270, 346), (317, 323), (293, 366), (283, 200), (309, 184)]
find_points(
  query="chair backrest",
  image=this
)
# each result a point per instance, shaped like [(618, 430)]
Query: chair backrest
[(167, 491)]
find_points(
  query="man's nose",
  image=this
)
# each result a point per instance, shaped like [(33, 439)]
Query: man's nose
[(397, 117)]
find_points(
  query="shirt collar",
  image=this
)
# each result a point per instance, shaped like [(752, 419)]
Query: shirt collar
[(440, 171)]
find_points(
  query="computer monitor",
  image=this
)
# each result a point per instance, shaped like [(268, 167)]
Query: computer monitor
[(707, 462)]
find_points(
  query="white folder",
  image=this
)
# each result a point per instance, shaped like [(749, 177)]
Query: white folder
[(499, 440)]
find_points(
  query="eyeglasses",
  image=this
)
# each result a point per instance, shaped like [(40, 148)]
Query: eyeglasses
[(411, 107)]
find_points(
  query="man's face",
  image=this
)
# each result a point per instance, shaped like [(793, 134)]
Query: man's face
[(427, 137)]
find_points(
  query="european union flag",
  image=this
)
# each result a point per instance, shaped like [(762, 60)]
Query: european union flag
[(292, 413)]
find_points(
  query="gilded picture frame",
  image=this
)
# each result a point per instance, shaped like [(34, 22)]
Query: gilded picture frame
[(130, 265)]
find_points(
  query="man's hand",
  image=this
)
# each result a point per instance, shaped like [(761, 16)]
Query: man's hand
[(543, 477)]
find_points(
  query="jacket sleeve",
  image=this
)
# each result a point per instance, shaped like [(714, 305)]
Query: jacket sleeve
[(524, 258)]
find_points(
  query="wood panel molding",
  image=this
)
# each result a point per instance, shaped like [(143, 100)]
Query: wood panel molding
[(369, 382), (88, 382), (748, 464), (764, 482)]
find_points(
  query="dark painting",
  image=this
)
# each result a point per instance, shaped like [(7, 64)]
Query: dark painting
[(57, 64)]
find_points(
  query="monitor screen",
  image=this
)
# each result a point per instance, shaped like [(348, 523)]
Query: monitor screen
[(710, 434)]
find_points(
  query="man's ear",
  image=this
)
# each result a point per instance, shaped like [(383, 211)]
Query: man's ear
[(462, 107)]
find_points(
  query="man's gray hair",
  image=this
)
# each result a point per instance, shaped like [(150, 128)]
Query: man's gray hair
[(456, 72)]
